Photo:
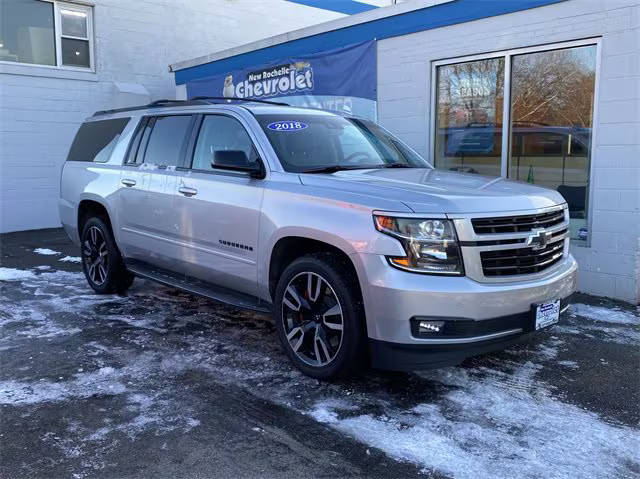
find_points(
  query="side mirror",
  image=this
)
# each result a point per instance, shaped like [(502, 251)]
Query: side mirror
[(237, 160)]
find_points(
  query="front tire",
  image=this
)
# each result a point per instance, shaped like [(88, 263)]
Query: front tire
[(319, 316), (101, 260)]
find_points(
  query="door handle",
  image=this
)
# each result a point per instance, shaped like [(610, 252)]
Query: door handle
[(186, 191), (129, 183)]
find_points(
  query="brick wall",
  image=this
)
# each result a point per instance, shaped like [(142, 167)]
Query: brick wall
[(611, 265), (135, 41)]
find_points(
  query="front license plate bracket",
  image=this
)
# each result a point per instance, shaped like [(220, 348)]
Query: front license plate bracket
[(545, 314)]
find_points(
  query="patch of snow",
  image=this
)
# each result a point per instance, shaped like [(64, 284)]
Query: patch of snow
[(82, 386), (46, 251), (547, 352), (192, 422), (151, 412), (11, 274), (71, 259), (43, 267), (142, 323), (619, 335), (607, 315), (484, 428), (569, 364), (323, 413)]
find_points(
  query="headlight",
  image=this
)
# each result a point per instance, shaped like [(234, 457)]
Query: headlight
[(431, 244)]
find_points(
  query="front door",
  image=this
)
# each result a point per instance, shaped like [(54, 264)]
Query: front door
[(219, 211)]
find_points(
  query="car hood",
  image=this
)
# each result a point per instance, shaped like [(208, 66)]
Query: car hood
[(426, 190)]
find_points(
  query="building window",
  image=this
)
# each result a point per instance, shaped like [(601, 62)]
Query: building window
[(44, 32), (470, 102), (550, 99)]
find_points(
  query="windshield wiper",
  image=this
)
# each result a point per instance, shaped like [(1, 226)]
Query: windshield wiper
[(335, 168)]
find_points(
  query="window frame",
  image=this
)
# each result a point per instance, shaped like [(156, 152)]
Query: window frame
[(57, 33), (139, 148), (506, 108), (193, 143)]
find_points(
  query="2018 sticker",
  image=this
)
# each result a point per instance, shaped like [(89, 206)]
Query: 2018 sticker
[(286, 125)]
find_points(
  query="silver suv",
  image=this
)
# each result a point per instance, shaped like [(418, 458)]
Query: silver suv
[(363, 253)]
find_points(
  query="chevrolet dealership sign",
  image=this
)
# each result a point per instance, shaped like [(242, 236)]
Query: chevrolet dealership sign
[(341, 80)]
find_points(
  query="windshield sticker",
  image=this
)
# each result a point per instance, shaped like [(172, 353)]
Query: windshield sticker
[(285, 125)]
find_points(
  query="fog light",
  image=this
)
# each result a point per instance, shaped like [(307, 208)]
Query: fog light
[(430, 326)]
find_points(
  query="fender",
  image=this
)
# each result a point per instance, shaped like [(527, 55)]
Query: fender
[(295, 231), (100, 200)]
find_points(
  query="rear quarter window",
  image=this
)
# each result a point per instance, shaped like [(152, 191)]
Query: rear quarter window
[(96, 140)]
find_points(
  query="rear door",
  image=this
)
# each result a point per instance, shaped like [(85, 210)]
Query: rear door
[(218, 211), (148, 219)]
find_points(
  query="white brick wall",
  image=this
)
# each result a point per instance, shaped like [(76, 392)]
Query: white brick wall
[(611, 266), (135, 41)]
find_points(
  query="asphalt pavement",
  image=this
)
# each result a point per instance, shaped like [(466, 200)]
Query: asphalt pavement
[(161, 383)]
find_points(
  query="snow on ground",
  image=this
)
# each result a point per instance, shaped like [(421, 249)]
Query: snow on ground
[(503, 421), (498, 419), (485, 429), (11, 274), (611, 324), (83, 385), (607, 315), (71, 259), (46, 251)]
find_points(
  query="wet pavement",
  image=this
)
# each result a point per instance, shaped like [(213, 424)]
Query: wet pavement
[(161, 383)]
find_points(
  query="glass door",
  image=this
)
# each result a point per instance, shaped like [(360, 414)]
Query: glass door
[(552, 95)]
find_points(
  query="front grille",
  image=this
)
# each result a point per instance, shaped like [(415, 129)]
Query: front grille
[(517, 224), (511, 262)]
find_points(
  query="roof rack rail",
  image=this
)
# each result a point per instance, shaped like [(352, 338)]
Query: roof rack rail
[(198, 100), (163, 101), (246, 100), (154, 104)]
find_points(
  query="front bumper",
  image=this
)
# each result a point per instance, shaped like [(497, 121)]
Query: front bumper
[(487, 315), (409, 357)]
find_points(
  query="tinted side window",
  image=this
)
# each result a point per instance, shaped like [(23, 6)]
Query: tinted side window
[(139, 142), (168, 140), (96, 140), (221, 133)]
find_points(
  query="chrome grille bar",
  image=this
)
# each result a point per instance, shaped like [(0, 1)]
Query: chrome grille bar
[(534, 242), (516, 224)]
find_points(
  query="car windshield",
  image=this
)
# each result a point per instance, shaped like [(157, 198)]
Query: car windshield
[(320, 143)]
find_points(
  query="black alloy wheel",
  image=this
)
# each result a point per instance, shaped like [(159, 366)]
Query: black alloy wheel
[(319, 316), (312, 319), (102, 262)]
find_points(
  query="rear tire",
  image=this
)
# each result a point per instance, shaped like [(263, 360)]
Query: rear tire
[(320, 318), (101, 260)]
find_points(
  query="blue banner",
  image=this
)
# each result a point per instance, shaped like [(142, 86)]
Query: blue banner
[(342, 79)]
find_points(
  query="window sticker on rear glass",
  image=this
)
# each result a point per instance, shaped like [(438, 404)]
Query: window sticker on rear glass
[(285, 125)]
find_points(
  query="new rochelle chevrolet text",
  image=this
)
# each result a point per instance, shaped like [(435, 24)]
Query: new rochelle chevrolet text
[(363, 253)]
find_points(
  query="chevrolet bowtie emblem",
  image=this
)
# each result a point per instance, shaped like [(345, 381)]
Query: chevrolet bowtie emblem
[(539, 239)]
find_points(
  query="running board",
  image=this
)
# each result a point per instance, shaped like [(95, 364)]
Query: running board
[(199, 287)]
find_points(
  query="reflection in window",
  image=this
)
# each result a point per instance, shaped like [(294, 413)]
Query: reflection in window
[(27, 32), (469, 116), (168, 140), (96, 140), (74, 23), (221, 133), (75, 52), (74, 39), (551, 118), (45, 33)]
